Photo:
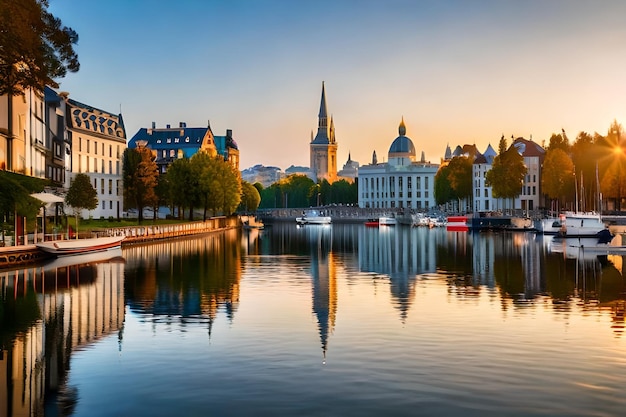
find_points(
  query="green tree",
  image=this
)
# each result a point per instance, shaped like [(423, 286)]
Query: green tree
[(460, 177), (344, 192), (586, 154), (15, 199), (180, 186), (443, 189), (35, 48), (507, 172), (559, 141), (557, 180), (250, 197), (81, 195), (140, 179)]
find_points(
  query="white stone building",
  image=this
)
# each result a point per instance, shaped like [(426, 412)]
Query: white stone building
[(98, 141), (402, 182)]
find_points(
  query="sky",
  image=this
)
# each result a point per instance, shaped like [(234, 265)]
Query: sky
[(458, 72)]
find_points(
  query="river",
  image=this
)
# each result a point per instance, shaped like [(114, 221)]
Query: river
[(340, 320)]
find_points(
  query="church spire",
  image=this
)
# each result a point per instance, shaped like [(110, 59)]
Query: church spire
[(322, 127)]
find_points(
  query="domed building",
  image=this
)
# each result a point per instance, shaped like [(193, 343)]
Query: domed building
[(402, 182)]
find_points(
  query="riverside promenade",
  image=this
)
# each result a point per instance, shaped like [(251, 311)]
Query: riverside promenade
[(17, 256)]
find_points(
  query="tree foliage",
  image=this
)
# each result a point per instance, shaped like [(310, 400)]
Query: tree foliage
[(140, 179), (557, 180), (35, 47), (443, 188), (81, 195), (180, 186), (507, 173), (460, 177), (250, 197)]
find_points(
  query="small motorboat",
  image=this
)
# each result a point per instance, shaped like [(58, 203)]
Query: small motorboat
[(372, 223), (387, 221), (313, 217)]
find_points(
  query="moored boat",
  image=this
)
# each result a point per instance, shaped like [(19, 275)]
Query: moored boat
[(572, 224), (313, 217), (372, 223), (457, 224), (387, 221), (80, 246)]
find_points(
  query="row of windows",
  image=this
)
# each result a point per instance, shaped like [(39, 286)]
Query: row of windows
[(378, 183), (392, 204), (95, 148), (372, 195), (109, 190), (91, 165), (176, 140)]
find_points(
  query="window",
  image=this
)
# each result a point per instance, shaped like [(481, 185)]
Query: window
[(486, 193), (102, 148), (86, 163), (103, 203), (408, 183), (111, 151), (117, 187), (426, 183), (95, 147), (102, 166), (110, 167), (102, 186), (80, 144), (110, 186), (87, 145), (111, 204)]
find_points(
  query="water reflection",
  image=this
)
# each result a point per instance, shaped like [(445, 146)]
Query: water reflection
[(47, 312), (185, 280)]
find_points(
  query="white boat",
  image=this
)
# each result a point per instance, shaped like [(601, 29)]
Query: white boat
[(572, 224), (387, 221), (313, 217), (80, 246)]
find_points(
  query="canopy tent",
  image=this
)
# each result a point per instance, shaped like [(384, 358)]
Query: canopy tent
[(50, 201), (48, 198)]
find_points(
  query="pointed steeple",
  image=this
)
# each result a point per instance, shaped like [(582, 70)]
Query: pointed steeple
[(322, 127), (374, 159), (332, 130)]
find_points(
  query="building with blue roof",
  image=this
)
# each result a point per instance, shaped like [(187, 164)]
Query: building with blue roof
[(171, 143)]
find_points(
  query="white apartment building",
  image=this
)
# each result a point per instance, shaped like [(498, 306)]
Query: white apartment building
[(98, 141)]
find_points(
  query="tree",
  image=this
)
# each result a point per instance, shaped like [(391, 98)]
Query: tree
[(460, 177), (559, 141), (507, 172), (15, 199), (250, 197), (180, 186), (140, 179), (557, 179), (81, 195), (443, 189), (35, 48)]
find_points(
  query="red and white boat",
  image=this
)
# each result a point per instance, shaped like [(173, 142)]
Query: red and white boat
[(80, 246), (457, 224)]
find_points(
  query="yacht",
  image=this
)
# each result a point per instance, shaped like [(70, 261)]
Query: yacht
[(313, 217), (572, 224)]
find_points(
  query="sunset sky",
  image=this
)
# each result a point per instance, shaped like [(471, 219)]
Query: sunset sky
[(457, 71)]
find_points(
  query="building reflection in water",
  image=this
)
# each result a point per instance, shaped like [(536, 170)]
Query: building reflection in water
[(185, 279), (46, 313)]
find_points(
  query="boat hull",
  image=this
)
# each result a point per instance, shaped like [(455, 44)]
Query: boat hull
[(80, 246)]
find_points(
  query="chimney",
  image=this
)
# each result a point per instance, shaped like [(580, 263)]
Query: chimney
[(167, 126), (229, 133), (154, 125), (183, 125)]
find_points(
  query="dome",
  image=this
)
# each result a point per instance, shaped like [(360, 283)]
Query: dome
[(402, 145)]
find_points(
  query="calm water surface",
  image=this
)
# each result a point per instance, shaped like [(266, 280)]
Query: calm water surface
[(338, 320)]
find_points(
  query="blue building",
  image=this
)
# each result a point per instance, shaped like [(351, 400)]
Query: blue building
[(169, 144)]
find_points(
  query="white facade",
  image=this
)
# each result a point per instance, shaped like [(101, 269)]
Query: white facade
[(483, 195), (98, 142), (530, 194), (403, 182)]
